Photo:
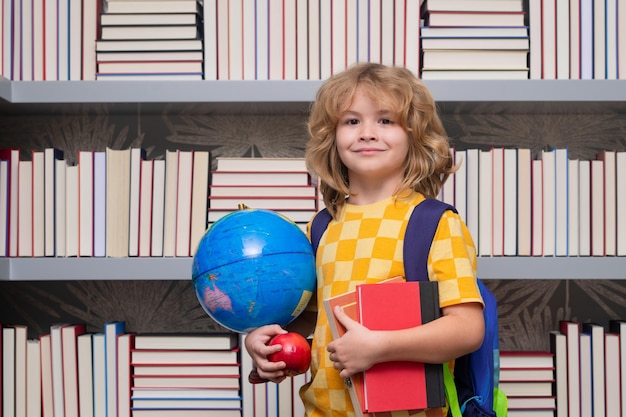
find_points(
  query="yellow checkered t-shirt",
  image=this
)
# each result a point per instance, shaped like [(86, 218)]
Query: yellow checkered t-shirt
[(365, 245)]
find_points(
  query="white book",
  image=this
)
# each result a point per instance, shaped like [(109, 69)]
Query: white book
[(524, 202), (314, 39), (611, 39), (399, 30), (158, 6), (597, 208), (574, 39), (69, 335), (169, 209), (14, 174), (249, 40), (325, 43), (610, 202), (260, 164), (621, 40), (56, 346), (235, 40), (620, 201), (548, 31), (111, 331), (85, 203), (497, 202), (99, 375), (536, 39), (72, 228), (25, 207), (460, 184), (573, 198), (124, 374), (352, 43), (562, 39), (510, 214), (586, 391), (296, 216), (8, 371), (118, 191), (260, 178), (289, 40), (89, 36), (39, 213), (338, 36), (21, 385), (302, 40), (145, 208), (386, 33), (267, 202), (7, 61), (263, 191), (51, 71), (262, 39), (485, 203), (475, 6), (75, 40), (586, 39), (183, 203), (136, 156), (26, 17), (209, 22), (33, 378), (597, 367), (558, 346), (561, 215), (60, 203), (612, 373), (549, 203), (473, 207), (4, 206), (47, 406), (584, 208), (84, 350), (99, 203), (158, 206), (537, 207), (51, 156), (199, 198), (412, 50), (63, 38), (16, 36), (275, 40), (599, 40), (149, 32)]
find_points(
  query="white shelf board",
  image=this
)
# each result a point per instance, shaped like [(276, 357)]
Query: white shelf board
[(61, 269), (301, 91)]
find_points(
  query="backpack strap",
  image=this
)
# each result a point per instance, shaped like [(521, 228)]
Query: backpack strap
[(318, 227), (419, 235)]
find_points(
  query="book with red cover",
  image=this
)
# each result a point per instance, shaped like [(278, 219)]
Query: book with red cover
[(347, 302), (399, 385)]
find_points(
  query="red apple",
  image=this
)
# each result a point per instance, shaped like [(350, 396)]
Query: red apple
[(296, 352)]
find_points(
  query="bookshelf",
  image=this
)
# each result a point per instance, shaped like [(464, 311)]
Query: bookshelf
[(502, 268), (276, 97)]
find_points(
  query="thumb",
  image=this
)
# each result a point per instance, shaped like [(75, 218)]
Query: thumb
[(344, 320)]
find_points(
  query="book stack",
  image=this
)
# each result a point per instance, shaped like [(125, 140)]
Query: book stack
[(150, 40), (185, 375), (484, 39), (527, 379), (280, 184)]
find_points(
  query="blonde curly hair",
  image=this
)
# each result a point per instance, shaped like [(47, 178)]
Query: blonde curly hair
[(428, 162)]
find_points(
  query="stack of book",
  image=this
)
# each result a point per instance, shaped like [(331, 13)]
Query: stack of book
[(474, 40), (152, 40), (280, 184), (527, 378), (185, 374)]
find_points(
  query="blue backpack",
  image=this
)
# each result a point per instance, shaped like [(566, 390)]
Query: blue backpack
[(473, 392)]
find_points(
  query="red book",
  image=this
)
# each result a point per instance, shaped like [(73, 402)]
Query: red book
[(399, 385)]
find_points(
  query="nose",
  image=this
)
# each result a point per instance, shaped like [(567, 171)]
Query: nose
[(368, 131)]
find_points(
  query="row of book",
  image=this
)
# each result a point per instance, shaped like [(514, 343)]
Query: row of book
[(474, 40), (74, 373), (517, 204), (577, 39), (118, 203), (590, 368)]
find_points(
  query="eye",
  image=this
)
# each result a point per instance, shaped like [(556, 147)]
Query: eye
[(386, 121), (352, 121)]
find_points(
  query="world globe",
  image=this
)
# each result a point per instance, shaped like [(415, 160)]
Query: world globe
[(253, 267)]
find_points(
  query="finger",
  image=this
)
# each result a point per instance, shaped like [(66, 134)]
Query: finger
[(343, 318)]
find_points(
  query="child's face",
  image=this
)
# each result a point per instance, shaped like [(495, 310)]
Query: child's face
[(371, 143)]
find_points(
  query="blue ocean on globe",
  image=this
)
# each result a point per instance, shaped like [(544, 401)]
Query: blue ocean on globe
[(253, 267)]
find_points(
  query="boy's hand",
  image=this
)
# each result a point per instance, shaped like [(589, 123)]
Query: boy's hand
[(256, 345), (355, 351)]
